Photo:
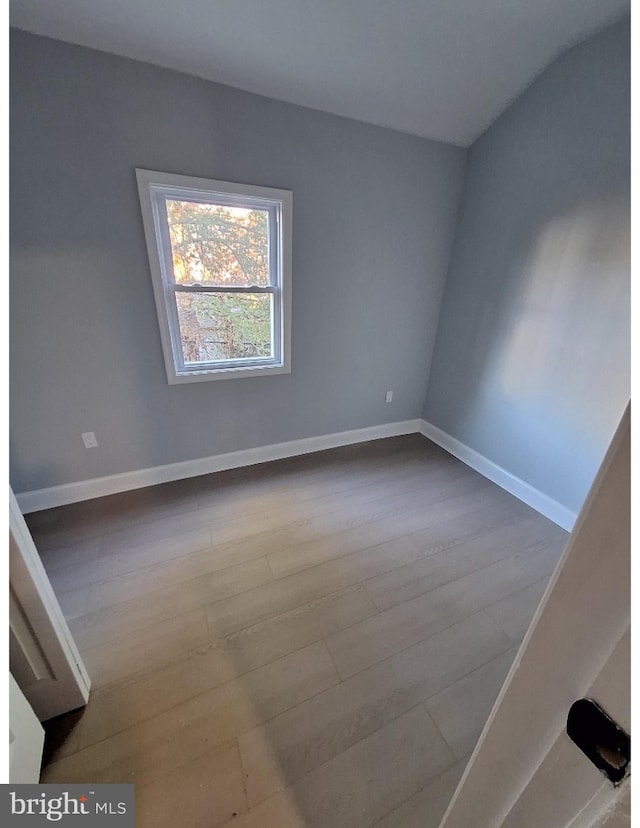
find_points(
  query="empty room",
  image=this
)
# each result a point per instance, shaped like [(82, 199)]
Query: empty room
[(319, 410)]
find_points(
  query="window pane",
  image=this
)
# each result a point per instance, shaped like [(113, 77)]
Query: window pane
[(224, 326), (214, 244)]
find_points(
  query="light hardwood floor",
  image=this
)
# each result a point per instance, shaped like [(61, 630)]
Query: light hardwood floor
[(311, 642)]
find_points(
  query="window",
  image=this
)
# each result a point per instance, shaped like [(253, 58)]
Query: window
[(220, 257)]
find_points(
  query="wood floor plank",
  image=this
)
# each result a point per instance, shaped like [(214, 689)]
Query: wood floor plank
[(150, 532), (329, 516), (267, 640), (299, 740), (392, 480), (70, 555), (122, 618), (312, 641), (122, 704), (97, 517), (380, 636), (425, 574), (203, 793), (310, 477), (108, 566), (360, 566), (58, 534), (515, 612), (428, 509), (359, 786), (145, 581), (194, 727), (279, 811), (265, 513), (474, 694), (311, 584), (321, 472), (163, 510), (73, 603), (134, 584), (426, 808), (141, 650), (423, 809)]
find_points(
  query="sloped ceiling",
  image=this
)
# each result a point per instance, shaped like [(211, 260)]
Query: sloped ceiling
[(442, 69)]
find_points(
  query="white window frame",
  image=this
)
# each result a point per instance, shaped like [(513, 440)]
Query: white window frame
[(153, 188)]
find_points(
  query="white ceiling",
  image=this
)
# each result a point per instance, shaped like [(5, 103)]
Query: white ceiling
[(443, 69)]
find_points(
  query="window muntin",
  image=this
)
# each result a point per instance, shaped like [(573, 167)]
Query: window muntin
[(220, 260)]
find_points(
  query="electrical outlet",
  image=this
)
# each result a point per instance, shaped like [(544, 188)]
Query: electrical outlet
[(89, 440), (388, 396)]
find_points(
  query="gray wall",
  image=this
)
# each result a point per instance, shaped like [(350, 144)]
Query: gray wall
[(531, 366), (374, 214)]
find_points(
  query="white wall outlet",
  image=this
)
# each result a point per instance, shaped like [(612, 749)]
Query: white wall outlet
[(89, 440), (388, 396)]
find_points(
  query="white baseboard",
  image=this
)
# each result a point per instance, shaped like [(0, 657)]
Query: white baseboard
[(514, 485), (39, 499)]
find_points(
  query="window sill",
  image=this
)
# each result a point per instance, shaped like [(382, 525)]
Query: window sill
[(207, 375)]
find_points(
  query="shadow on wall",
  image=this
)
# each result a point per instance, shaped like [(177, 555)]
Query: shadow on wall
[(549, 361), (553, 314), (531, 367)]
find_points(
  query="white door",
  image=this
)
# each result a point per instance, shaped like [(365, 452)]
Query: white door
[(44, 659), (525, 771), (26, 738)]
